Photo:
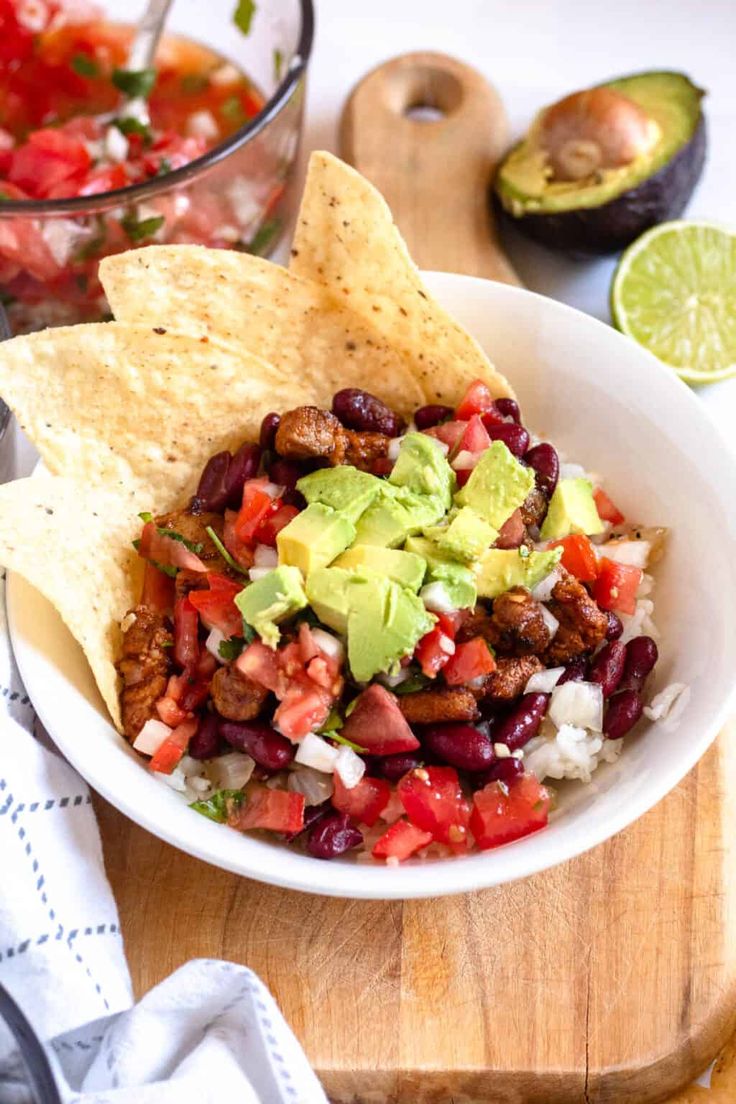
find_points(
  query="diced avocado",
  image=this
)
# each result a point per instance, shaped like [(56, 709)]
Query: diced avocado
[(466, 537), (498, 485), (327, 593), (571, 510), (268, 601), (344, 488), (395, 514), (385, 623), (458, 583), (422, 468), (429, 551), (314, 538), (499, 569), (404, 568)]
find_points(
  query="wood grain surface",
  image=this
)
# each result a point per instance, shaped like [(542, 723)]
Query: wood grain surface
[(609, 979)]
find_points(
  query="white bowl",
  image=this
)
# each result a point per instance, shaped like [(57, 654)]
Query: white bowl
[(606, 404)]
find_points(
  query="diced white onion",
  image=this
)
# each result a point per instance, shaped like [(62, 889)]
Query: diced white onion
[(200, 785), (572, 471), (225, 74), (116, 145), (435, 598), (151, 736), (265, 556), (579, 704), (394, 448), (543, 590), (465, 460), (668, 703), (350, 767), (396, 680), (231, 771), (550, 621), (315, 752), (272, 490), (258, 573), (190, 767), (329, 644), (632, 552), (202, 124), (316, 786), (502, 751), (544, 682), (175, 779), (213, 642)]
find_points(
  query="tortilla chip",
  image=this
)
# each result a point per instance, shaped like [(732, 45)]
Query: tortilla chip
[(131, 407), (253, 304), (346, 240), (72, 542)]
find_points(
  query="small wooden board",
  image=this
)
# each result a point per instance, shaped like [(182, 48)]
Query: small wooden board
[(610, 978)]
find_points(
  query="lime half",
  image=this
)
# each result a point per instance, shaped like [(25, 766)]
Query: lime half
[(674, 292)]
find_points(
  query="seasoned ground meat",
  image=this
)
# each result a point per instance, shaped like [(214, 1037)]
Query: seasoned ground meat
[(187, 581), (582, 624), (520, 623), (235, 696), (144, 668), (443, 704), (534, 508), (479, 623), (363, 448), (309, 433), (510, 677), (193, 528)]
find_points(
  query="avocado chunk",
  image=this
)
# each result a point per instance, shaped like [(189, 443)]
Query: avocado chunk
[(498, 485), (500, 569), (405, 568), (327, 591), (422, 468), (270, 600), (314, 538), (572, 509), (466, 536), (395, 515), (634, 150), (344, 488), (385, 623), (458, 586)]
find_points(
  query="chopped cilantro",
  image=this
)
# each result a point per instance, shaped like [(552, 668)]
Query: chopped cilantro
[(243, 15), (338, 739), (231, 649), (172, 534), (164, 167), (333, 724), (4, 197), (232, 109), (134, 82), (130, 125), (191, 83), (223, 551), (85, 66), (263, 237), (138, 229), (146, 516), (219, 805), (415, 681), (249, 633), (278, 63)]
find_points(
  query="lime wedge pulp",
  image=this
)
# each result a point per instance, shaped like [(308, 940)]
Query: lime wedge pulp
[(674, 292)]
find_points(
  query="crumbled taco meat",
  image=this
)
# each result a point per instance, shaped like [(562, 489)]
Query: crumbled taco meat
[(144, 668), (582, 624), (235, 696), (519, 622), (510, 677), (193, 528), (444, 704)]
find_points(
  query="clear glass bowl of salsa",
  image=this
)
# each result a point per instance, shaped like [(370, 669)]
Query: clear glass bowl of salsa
[(81, 177)]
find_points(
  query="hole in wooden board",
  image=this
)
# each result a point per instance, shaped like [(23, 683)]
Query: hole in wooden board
[(424, 94), (424, 113)]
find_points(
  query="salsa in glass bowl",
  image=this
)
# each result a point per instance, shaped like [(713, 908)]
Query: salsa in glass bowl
[(82, 175)]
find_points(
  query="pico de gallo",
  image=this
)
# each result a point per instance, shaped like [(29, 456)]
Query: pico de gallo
[(373, 637)]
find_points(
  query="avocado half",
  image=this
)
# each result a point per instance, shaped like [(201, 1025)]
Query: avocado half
[(608, 209)]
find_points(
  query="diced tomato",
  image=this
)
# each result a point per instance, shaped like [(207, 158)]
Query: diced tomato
[(277, 810), (241, 552), (378, 725), (364, 802), (451, 622), (186, 629), (434, 650), (463, 475), (274, 523), (492, 417), (476, 400), (262, 665), (434, 802), (607, 510), (176, 686), (158, 589), (475, 438), (304, 708), (196, 692), (48, 159), (216, 606), (257, 506), (206, 665), (578, 556), (172, 749), (308, 647), (471, 660), (512, 532), (170, 712), (402, 840), (503, 812), (167, 550), (616, 586), (449, 433), (106, 179)]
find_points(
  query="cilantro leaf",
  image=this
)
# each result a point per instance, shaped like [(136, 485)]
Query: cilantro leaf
[(223, 551), (194, 82), (164, 167), (130, 125), (219, 805), (232, 110), (134, 82), (138, 229), (415, 681), (338, 739), (145, 516), (263, 237), (249, 633), (243, 15), (278, 63), (172, 534), (231, 649), (85, 66)]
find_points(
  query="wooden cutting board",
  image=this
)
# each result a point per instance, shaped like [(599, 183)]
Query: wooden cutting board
[(610, 978)]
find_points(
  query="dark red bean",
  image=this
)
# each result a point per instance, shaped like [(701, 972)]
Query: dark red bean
[(575, 670), (394, 767), (244, 465), (332, 836), (509, 408), (546, 464), (427, 416), (624, 710), (286, 473), (459, 745), (269, 425), (503, 770), (607, 668), (294, 498), (641, 655), (360, 410), (212, 490), (514, 436), (269, 748), (312, 814), (205, 743), (522, 722), (615, 627)]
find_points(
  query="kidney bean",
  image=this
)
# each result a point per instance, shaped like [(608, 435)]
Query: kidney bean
[(294, 498), (459, 745), (394, 767), (641, 655), (205, 743), (244, 465), (360, 410), (514, 436), (503, 770), (607, 668), (546, 464), (624, 710), (286, 473), (269, 748), (615, 626), (509, 408), (269, 425), (522, 721), (427, 416), (212, 490), (332, 836), (312, 814), (575, 670)]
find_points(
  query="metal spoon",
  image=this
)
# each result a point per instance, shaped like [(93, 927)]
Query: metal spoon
[(141, 55)]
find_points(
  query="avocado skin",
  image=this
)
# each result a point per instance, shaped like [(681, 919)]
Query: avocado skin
[(614, 225)]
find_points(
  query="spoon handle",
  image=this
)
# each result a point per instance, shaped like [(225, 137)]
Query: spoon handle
[(143, 49)]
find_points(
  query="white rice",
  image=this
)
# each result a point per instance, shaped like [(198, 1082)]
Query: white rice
[(569, 753)]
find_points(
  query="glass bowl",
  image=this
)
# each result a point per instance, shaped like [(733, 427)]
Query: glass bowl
[(239, 194)]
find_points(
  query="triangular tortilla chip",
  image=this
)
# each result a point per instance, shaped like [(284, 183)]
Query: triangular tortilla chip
[(252, 304), (346, 240)]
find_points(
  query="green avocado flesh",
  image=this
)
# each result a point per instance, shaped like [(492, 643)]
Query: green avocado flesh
[(524, 185)]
